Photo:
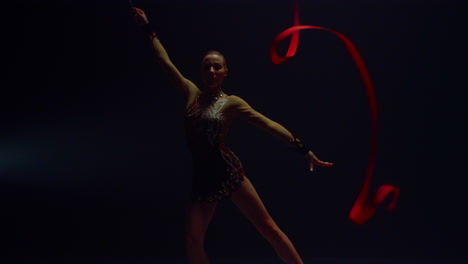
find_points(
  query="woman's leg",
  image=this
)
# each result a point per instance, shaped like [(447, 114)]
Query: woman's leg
[(248, 201), (199, 216)]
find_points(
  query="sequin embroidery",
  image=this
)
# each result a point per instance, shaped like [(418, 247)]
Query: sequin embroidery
[(217, 172)]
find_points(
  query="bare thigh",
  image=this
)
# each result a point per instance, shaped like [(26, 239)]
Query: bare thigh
[(199, 215), (248, 201)]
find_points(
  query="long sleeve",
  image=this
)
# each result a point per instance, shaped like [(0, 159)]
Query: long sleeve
[(182, 85), (243, 110)]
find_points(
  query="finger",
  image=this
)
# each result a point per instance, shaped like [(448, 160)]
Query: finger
[(325, 164), (311, 167)]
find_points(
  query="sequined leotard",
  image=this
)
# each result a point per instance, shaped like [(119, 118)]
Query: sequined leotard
[(217, 172)]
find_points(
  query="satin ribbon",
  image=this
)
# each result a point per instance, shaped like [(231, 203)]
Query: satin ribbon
[(361, 212)]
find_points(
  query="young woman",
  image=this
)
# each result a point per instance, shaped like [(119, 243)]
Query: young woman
[(217, 172)]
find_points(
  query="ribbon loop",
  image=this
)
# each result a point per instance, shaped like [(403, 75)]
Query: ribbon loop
[(360, 212)]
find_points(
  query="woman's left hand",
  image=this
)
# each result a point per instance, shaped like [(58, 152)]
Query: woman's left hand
[(140, 17), (314, 160)]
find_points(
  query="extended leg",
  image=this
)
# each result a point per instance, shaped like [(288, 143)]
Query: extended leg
[(248, 201), (199, 216)]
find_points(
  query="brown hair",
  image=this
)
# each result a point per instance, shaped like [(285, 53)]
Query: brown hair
[(216, 53)]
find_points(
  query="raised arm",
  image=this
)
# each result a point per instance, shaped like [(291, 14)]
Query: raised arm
[(184, 86), (242, 109)]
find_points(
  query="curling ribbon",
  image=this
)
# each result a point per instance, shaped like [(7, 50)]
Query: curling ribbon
[(360, 212)]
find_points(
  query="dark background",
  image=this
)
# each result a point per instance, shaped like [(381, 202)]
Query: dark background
[(93, 159)]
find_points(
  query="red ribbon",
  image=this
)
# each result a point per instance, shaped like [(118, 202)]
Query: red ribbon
[(361, 211)]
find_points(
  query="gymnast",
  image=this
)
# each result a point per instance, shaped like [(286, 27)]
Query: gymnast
[(217, 173)]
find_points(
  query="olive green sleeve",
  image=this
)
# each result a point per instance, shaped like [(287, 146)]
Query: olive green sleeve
[(243, 110), (182, 85)]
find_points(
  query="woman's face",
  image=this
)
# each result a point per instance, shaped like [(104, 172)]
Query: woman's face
[(213, 71)]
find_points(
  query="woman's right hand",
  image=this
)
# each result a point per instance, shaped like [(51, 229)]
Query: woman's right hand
[(140, 17), (310, 156)]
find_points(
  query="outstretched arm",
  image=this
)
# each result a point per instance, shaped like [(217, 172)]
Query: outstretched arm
[(183, 85), (242, 109)]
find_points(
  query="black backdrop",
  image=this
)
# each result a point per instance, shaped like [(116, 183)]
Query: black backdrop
[(93, 158)]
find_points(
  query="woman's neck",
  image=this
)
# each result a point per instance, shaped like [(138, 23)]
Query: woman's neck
[(213, 92)]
